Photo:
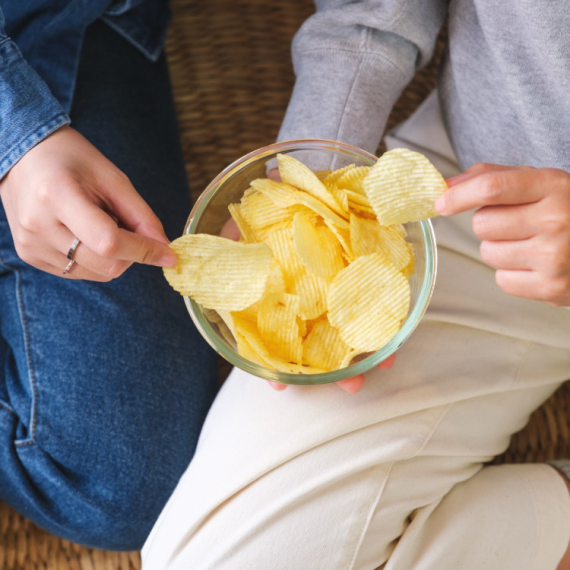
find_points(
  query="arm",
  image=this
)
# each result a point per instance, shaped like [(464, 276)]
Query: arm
[(55, 186), (28, 111), (352, 60)]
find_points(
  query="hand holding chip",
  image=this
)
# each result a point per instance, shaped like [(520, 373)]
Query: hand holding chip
[(523, 218), (63, 189)]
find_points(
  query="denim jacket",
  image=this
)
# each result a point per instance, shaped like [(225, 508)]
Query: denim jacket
[(40, 44)]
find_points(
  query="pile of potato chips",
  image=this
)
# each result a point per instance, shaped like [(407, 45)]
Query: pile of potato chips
[(321, 272)]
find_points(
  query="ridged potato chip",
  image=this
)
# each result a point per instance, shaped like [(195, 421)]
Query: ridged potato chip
[(285, 195), (218, 273), (244, 228), (367, 301), (324, 347), (259, 211), (283, 249), (336, 174), (317, 247), (297, 174), (277, 324), (312, 292), (403, 187), (368, 236), (352, 179)]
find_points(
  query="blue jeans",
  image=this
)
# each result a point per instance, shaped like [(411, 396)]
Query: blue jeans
[(104, 387)]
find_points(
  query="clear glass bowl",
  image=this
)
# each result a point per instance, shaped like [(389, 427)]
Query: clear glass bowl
[(210, 213)]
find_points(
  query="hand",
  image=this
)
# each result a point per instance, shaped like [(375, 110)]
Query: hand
[(65, 188), (524, 222)]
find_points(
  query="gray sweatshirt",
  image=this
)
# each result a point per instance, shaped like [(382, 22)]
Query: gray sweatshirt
[(504, 83)]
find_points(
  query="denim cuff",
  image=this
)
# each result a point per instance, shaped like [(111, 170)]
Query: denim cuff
[(28, 110), (561, 465)]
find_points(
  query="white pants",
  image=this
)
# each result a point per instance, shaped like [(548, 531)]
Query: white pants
[(392, 477)]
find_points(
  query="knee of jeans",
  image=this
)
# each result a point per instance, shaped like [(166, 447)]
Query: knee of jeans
[(115, 506), (116, 518)]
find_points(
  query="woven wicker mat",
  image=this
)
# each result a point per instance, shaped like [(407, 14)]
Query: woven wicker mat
[(232, 76)]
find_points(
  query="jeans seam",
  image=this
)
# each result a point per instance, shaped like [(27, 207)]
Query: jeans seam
[(7, 408), (31, 373)]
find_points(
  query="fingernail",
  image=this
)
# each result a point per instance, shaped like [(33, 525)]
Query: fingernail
[(168, 260), (440, 205)]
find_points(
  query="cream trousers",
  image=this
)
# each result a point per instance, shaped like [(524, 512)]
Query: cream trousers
[(392, 477)]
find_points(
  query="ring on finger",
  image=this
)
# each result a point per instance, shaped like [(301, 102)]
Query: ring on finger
[(72, 249), (69, 266)]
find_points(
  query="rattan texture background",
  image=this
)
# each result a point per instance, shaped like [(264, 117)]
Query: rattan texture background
[(232, 77)]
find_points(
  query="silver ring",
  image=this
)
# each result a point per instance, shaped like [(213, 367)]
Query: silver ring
[(72, 249), (69, 266)]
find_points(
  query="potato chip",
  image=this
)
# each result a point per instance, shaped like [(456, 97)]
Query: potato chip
[(324, 347), (352, 179), (410, 269), (284, 195), (244, 228), (343, 237), (336, 174), (322, 174), (295, 173), (283, 249), (317, 248), (277, 324), (367, 300), (403, 186), (312, 292), (356, 198), (218, 273), (340, 196), (259, 211), (368, 236)]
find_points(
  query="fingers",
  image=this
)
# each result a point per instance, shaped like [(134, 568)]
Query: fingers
[(532, 285), (512, 255), (99, 232), (133, 212), (388, 363), (476, 170), (277, 386), (352, 385), (273, 174), (493, 187), (506, 222), (230, 230), (84, 257)]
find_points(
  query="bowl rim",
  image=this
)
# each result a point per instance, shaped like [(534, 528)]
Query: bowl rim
[(409, 325)]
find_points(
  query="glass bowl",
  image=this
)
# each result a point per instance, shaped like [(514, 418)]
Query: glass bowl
[(210, 213)]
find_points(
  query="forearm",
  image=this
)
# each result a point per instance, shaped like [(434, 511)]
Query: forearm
[(28, 110), (352, 61)]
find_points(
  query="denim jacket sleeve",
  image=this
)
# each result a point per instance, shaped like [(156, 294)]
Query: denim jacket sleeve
[(28, 110)]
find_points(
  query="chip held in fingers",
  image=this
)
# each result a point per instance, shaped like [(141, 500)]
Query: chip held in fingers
[(320, 276), (218, 273), (403, 187)]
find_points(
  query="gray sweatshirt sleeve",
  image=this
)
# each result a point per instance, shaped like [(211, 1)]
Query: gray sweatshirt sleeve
[(352, 60)]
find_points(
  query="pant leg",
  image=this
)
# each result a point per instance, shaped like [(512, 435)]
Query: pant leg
[(506, 516), (104, 387), (317, 478)]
